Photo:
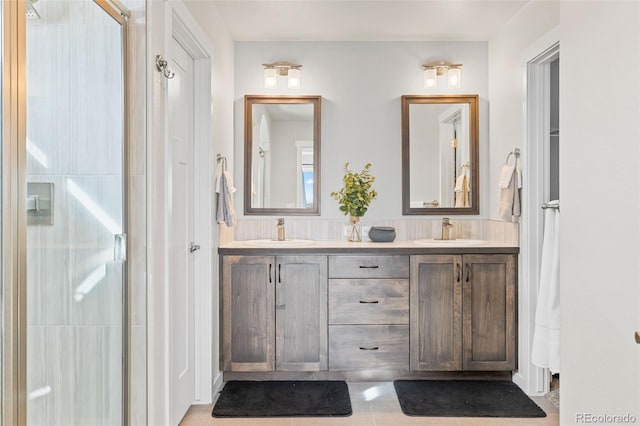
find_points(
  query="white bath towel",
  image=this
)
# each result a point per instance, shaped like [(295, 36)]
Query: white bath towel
[(546, 336), (509, 195), (225, 213)]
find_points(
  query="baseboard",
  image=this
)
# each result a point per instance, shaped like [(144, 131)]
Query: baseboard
[(218, 382), (368, 375)]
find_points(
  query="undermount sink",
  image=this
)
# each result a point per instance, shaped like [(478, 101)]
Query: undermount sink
[(457, 242), (276, 243)]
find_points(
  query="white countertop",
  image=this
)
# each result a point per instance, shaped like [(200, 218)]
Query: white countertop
[(368, 245)]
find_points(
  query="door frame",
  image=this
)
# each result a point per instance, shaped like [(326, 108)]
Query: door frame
[(167, 19), (535, 67)]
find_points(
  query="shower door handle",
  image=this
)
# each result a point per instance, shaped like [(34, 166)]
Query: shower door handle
[(120, 248)]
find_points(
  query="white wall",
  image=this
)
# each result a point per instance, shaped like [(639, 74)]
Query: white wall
[(506, 94), (361, 84), (599, 176)]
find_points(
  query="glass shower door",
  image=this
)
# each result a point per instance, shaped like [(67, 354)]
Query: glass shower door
[(75, 214)]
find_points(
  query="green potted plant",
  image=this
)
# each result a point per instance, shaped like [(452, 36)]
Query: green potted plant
[(355, 196)]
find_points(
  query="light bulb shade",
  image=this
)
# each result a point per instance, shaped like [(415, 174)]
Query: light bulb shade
[(430, 78), (454, 76), (270, 78), (293, 77)]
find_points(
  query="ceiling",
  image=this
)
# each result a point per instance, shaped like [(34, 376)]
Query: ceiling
[(363, 20)]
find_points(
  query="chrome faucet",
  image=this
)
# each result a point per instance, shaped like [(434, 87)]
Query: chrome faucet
[(446, 224), (280, 227)]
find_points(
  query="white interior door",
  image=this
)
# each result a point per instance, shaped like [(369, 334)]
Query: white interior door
[(182, 259)]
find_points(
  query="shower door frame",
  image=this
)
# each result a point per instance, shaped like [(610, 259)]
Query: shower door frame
[(14, 221)]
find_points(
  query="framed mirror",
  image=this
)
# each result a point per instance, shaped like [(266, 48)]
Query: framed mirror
[(440, 155), (281, 155)]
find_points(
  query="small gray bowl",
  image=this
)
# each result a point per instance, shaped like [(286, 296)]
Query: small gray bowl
[(382, 234)]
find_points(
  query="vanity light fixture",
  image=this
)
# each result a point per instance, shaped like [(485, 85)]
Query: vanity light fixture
[(432, 71), (273, 70)]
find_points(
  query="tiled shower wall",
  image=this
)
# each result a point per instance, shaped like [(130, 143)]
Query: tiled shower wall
[(74, 288)]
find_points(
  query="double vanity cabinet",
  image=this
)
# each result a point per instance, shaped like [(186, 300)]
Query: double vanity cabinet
[(368, 310)]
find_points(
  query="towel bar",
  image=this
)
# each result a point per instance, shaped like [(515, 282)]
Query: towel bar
[(550, 206)]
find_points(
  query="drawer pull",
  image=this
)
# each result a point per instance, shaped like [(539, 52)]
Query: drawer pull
[(374, 348), (368, 301), (369, 267)]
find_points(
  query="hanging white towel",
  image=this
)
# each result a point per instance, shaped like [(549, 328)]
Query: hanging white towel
[(546, 336), (509, 194), (462, 191), (225, 213), (505, 176)]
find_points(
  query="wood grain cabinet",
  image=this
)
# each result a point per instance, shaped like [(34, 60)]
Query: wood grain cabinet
[(368, 312), (274, 313), (463, 312)]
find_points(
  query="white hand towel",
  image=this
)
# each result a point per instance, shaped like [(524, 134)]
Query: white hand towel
[(462, 194), (510, 197), (546, 336), (225, 212), (505, 176), (218, 178)]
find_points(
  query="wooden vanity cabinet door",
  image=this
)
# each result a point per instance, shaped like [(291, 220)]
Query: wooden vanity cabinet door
[(436, 313), (489, 317), (248, 315), (301, 313)]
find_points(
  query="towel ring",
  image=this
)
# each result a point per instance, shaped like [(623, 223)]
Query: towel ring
[(515, 153)]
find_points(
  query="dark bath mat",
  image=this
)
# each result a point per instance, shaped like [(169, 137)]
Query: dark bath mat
[(283, 399), (464, 398)]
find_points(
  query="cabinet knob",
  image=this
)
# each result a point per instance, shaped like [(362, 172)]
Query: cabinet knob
[(638, 337)]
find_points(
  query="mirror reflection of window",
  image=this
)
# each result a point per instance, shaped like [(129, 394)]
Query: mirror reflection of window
[(304, 178), (307, 186)]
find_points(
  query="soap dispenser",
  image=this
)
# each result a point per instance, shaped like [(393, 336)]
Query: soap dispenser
[(280, 227)]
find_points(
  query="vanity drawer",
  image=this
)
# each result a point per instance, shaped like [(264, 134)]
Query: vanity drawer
[(361, 347), (369, 301), (369, 266)]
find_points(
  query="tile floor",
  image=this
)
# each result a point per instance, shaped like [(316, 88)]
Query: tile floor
[(374, 404)]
